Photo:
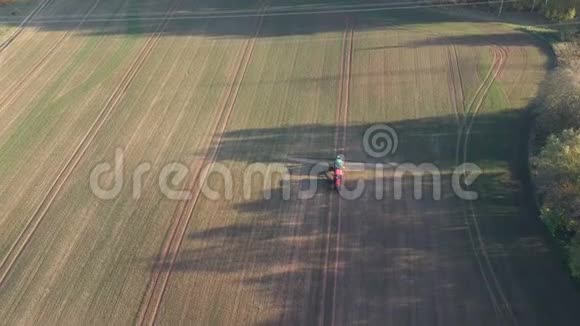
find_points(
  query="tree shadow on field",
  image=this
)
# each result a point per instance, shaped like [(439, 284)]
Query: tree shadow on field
[(227, 18), (399, 259), (517, 38), (430, 139), (503, 39), (220, 18)]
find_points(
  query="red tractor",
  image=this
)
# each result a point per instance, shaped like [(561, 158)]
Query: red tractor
[(337, 178), (337, 169)]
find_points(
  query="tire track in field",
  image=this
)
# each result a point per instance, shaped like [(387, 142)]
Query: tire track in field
[(469, 111), (298, 214), (460, 139), (522, 74), (24, 237), (323, 309), (50, 78), (346, 103), (15, 92), (500, 55), (460, 75), (154, 295), (39, 8), (328, 311), (456, 91), (89, 98)]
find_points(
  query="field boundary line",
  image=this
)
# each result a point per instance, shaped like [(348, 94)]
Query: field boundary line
[(39, 8), (31, 226), (16, 91), (154, 295)]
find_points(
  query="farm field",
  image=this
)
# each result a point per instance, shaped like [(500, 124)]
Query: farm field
[(147, 85)]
